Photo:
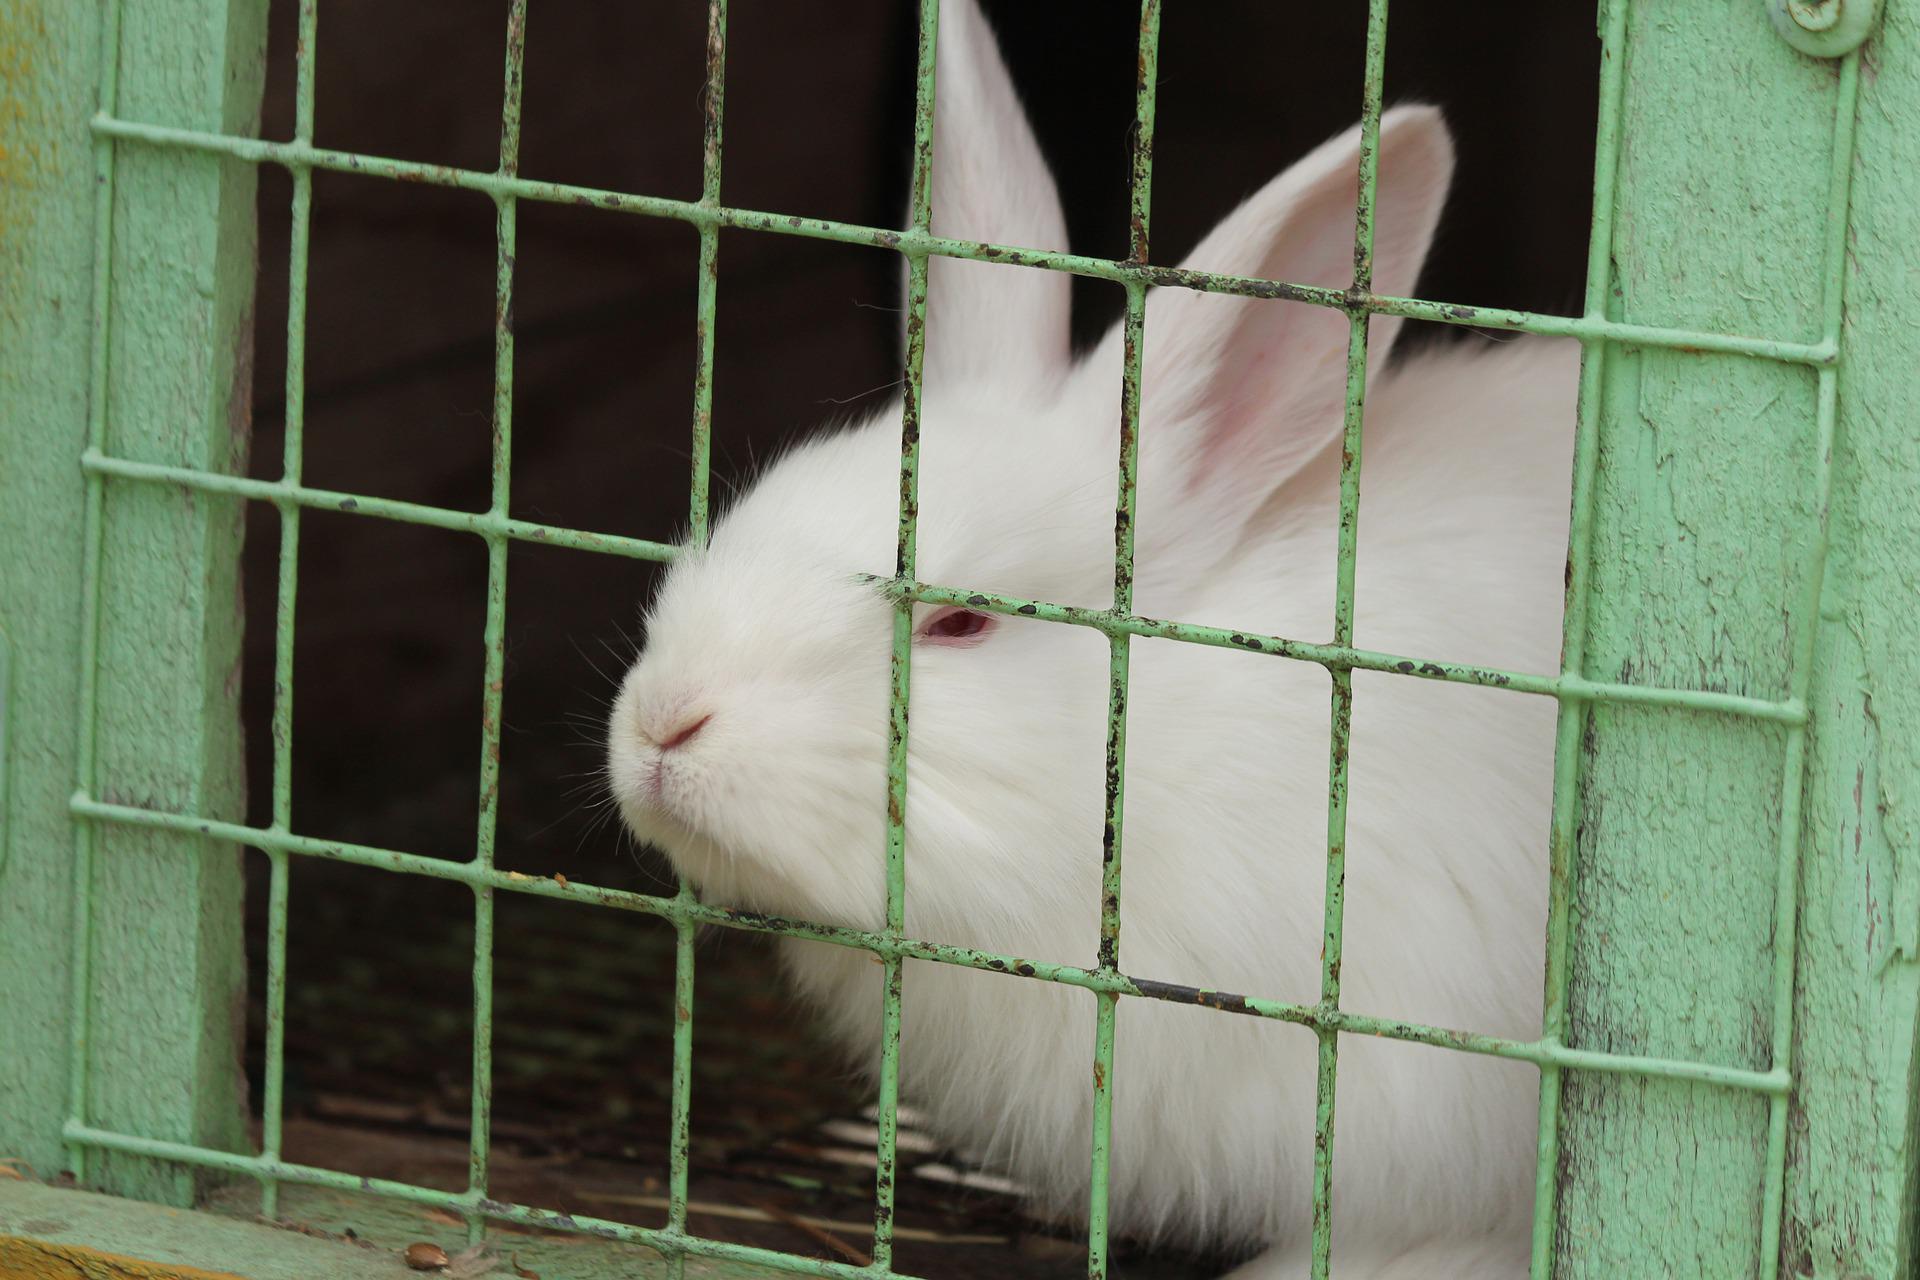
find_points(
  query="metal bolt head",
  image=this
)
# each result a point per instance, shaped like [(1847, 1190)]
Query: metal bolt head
[(1823, 28), (1815, 15)]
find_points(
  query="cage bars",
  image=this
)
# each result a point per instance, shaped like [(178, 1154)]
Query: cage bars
[(1134, 328), (900, 659), (680, 1122), (1340, 735), (1309, 1015), (1571, 721), (1782, 710), (892, 946), (1786, 889), (293, 450), (261, 151), (479, 1137)]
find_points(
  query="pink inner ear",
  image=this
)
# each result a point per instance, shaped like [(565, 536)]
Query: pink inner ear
[(955, 627)]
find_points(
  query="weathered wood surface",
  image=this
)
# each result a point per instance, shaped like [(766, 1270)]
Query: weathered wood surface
[(48, 52), (1705, 514), (166, 964)]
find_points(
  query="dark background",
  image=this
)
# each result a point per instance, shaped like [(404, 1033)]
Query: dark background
[(399, 394)]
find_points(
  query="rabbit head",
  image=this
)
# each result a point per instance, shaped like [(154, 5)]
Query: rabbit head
[(749, 739)]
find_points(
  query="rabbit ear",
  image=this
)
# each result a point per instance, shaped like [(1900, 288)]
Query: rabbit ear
[(1238, 394), (986, 322)]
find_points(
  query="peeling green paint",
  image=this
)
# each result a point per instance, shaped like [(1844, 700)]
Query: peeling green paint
[(1699, 839)]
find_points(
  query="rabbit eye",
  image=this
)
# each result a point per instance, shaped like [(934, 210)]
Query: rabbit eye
[(954, 625)]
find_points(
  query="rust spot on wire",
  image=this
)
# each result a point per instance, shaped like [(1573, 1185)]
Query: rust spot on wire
[(503, 304), (1225, 1001), (1437, 671), (711, 93), (510, 114), (1411, 1032), (436, 175), (1237, 286)]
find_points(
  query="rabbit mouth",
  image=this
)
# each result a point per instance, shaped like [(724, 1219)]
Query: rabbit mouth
[(652, 800), (657, 803)]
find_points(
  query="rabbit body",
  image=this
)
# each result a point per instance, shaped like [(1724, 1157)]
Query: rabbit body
[(749, 740), (1224, 846)]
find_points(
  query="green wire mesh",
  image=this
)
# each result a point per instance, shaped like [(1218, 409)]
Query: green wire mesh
[(1574, 692)]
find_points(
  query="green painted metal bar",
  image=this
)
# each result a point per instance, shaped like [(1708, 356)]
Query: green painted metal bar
[(1587, 327), (89, 657), (479, 1138), (1134, 328), (715, 103), (886, 946), (1707, 701), (1572, 719), (1787, 711), (680, 1122), (1786, 892), (1345, 656), (900, 663), (488, 524), (1340, 736), (1106, 1010), (273, 1101), (1118, 664)]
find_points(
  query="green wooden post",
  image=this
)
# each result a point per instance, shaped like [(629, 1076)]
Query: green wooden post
[(1854, 1177), (126, 679), (48, 56), (1710, 569)]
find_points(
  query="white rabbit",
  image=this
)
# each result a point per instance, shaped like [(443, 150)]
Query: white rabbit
[(748, 741)]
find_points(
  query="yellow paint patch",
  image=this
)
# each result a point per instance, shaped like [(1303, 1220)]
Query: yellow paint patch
[(23, 29), (25, 1259)]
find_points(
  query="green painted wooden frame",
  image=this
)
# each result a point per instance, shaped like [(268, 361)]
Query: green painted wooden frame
[(126, 295), (1739, 727)]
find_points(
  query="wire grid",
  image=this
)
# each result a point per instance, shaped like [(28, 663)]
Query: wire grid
[(1106, 979)]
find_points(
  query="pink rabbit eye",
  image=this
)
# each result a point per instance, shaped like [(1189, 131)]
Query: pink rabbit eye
[(956, 626)]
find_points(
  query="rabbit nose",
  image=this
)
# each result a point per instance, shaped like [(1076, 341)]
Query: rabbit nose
[(679, 733)]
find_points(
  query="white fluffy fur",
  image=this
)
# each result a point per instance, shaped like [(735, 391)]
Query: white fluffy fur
[(776, 804)]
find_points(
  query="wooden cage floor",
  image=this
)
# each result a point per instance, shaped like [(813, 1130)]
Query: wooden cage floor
[(378, 1025)]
